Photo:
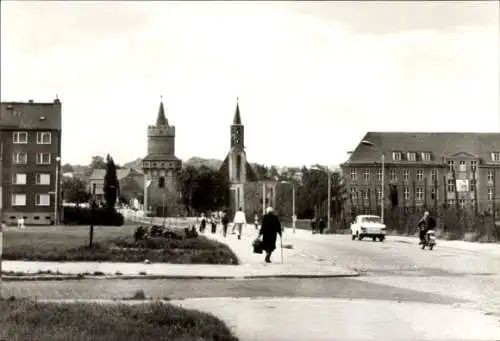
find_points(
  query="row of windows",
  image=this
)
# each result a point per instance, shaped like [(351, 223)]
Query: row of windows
[(419, 193), (22, 179), (21, 137), (405, 173), (20, 199), (21, 158), (427, 156)]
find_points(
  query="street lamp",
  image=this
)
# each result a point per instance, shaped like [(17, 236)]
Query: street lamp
[(371, 144), (56, 195), (294, 218), (329, 194)]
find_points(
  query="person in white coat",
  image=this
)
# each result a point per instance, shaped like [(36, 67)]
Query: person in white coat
[(239, 220)]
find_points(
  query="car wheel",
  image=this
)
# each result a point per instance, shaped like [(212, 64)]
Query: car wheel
[(374, 239), (381, 238)]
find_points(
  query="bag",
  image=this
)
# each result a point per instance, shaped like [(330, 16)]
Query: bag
[(258, 246)]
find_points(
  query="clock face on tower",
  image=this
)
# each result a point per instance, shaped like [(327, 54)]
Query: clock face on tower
[(236, 137)]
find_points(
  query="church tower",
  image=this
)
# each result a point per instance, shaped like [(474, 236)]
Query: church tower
[(161, 168), (237, 161)]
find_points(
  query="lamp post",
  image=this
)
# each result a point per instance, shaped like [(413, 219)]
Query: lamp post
[(382, 160), (56, 194), (294, 218)]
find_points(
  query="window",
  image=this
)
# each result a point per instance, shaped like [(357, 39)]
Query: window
[(420, 174), (472, 185), (161, 182), (462, 166), (451, 202), (434, 175), (354, 194), (42, 200), (42, 179), (43, 158), (20, 158), (396, 156), (473, 165), (353, 175), (411, 156), (366, 175), (364, 195), (490, 176), (405, 174), (461, 202), (20, 137), (451, 165), (406, 193), (433, 193), (379, 193), (490, 194), (18, 199), (43, 138), (419, 193), (495, 156), (19, 179), (426, 156), (451, 186), (379, 174), (393, 175)]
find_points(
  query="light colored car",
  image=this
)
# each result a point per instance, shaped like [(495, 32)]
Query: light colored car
[(368, 226)]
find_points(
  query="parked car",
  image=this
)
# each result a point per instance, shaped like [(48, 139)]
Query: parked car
[(368, 226)]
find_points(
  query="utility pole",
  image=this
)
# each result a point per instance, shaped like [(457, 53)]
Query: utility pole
[(92, 211)]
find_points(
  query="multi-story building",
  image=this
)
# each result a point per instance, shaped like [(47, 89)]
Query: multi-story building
[(30, 135), (428, 170)]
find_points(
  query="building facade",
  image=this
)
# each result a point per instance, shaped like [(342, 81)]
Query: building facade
[(161, 169), (31, 147), (131, 183), (428, 170)]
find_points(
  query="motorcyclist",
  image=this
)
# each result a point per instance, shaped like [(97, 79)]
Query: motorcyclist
[(425, 224)]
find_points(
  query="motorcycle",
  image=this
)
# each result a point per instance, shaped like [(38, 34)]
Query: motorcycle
[(429, 240)]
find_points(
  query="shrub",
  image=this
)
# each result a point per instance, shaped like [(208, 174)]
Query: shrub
[(83, 216)]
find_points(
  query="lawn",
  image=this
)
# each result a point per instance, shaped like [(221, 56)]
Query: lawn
[(111, 243), (28, 320)]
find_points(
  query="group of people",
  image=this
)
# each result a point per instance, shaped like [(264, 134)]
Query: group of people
[(270, 227)]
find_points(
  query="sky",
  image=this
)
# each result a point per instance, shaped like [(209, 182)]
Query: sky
[(311, 77)]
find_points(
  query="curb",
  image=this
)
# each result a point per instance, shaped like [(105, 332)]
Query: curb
[(158, 277)]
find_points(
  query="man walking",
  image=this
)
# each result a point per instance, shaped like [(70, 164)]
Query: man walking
[(238, 221), (269, 230), (225, 222)]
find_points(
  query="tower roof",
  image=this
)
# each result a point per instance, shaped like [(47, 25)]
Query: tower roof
[(161, 120), (237, 117)]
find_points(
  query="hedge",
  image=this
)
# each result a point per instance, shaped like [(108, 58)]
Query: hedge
[(83, 216)]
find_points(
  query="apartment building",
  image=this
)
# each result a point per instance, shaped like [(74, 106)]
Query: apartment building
[(30, 135), (426, 169)]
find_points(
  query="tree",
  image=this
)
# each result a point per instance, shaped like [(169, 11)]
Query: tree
[(67, 168), (111, 185), (74, 190), (98, 162)]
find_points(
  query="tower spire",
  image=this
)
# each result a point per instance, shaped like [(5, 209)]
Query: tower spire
[(161, 120), (237, 116)]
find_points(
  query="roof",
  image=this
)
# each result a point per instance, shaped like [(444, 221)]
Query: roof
[(98, 174), (251, 175), (237, 116), (439, 144), (31, 115), (161, 120)]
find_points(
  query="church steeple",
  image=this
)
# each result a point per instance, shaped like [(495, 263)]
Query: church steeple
[(161, 120), (237, 117)]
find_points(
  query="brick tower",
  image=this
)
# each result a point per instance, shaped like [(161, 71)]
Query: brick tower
[(161, 168)]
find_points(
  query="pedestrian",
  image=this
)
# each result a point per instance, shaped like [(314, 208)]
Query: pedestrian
[(225, 222), (238, 221), (321, 225), (214, 223), (269, 230), (203, 223), (20, 222), (256, 221), (313, 225)]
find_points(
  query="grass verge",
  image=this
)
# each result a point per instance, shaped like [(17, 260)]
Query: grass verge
[(29, 320), (112, 244)]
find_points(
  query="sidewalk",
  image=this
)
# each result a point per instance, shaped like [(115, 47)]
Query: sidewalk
[(295, 264), (304, 319)]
